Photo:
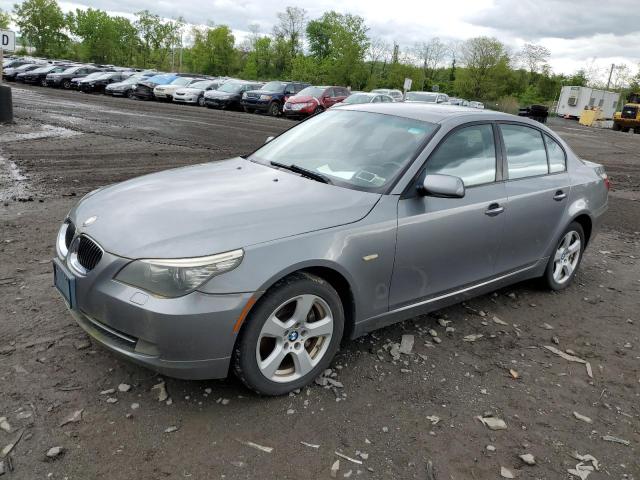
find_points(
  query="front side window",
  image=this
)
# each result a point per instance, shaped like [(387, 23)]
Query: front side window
[(526, 155), (468, 153), (354, 149), (557, 157)]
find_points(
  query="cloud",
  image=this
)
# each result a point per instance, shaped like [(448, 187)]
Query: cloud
[(535, 19)]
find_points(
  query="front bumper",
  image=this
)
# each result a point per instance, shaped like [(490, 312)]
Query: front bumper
[(255, 104), (185, 99), (189, 337)]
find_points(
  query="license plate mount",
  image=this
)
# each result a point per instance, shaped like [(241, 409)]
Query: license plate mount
[(65, 283)]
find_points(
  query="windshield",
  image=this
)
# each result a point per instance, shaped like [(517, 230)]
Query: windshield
[(422, 97), (357, 98), (202, 85), (131, 80), (181, 81), (42, 69), (231, 87), (315, 92), (93, 76), (72, 69), (273, 87), (103, 76), (360, 150)]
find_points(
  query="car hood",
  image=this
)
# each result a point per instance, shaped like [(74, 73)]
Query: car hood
[(189, 90), (302, 99), (218, 94), (214, 207)]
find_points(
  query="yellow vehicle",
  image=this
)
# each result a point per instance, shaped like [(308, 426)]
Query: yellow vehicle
[(629, 117)]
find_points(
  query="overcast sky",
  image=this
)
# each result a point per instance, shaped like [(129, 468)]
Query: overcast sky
[(580, 34)]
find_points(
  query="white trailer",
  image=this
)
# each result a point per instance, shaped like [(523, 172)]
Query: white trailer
[(573, 100)]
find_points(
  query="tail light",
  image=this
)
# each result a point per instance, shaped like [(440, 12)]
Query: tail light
[(603, 175)]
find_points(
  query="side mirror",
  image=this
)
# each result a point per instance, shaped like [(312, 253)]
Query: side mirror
[(445, 186), (269, 139)]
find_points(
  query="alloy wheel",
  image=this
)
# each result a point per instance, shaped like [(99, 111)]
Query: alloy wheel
[(567, 257), (295, 338)]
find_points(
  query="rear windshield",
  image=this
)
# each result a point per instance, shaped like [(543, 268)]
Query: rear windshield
[(422, 97), (274, 87), (357, 98), (311, 92)]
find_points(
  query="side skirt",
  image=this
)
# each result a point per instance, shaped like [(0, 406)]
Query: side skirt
[(445, 300)]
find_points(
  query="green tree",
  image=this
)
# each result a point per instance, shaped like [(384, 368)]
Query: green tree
[(259, 64), (41, 24), (104, 39), (157, 38), (212, 51), (340, 43), (5, 18), (485, 60)]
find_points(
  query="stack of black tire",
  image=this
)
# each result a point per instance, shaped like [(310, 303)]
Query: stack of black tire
[(539, 113)]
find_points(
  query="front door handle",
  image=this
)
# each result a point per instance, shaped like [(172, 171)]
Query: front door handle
[(494, 209), (560, 195)]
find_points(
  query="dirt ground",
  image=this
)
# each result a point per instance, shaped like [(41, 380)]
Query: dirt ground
[(394, 417)]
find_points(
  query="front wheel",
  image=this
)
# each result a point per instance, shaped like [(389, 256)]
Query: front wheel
[(616, 127), (274, 109), (66, 84), (291, 335), (43, 82), (201, 101), (564, 262), (131, 95)]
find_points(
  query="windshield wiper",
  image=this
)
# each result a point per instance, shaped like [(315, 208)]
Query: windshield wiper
[(303, 171)]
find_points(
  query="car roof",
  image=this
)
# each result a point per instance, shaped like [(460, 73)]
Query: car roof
[(433, 113)]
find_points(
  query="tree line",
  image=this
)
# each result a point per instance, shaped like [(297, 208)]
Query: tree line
[(335, 48)]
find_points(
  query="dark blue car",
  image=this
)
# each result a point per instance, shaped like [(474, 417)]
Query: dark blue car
[(271, 97)]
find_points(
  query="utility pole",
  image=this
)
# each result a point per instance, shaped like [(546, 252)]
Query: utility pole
[(610, 73)]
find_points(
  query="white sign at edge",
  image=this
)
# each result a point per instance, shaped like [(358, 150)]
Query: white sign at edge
[(8, 40)]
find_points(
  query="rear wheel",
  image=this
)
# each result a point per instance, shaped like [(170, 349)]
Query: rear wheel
[(564, 262), (290, 336), (274, 109), (66, 84)]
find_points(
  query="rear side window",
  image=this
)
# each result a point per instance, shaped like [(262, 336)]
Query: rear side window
[(526, 155), (557, 157), (468, 153)]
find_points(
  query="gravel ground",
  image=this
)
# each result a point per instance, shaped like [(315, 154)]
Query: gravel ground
[(410, 417)]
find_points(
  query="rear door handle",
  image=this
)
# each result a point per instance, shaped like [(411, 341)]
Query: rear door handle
[(560, 195), (494, 209)]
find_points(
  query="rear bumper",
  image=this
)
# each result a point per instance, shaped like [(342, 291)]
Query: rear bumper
[(189, 337)]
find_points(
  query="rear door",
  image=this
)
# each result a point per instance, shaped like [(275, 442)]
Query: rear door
[(444, 244), (537, 187)]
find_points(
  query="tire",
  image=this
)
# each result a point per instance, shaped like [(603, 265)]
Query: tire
[(289, 340), (563, 264), (274, 109), (201, 101), (131, 95), (625, 129), (66, 85), (616, 127), (636, 130), (43, 82)]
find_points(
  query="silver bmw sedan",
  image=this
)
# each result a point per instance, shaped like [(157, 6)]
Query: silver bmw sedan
[(359, 217)]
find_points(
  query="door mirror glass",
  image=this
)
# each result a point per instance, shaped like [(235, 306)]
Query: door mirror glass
[(446, 186)]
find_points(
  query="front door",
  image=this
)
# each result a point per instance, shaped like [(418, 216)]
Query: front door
[(444, 244)]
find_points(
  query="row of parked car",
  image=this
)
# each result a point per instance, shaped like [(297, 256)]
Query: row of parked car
[(288, 98)]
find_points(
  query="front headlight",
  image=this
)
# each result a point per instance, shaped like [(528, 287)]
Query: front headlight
[(176, 277), (265, 97)]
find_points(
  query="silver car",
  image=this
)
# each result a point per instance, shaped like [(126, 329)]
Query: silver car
[(263, 265)]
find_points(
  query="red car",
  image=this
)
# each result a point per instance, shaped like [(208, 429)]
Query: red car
[(313, 100)]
